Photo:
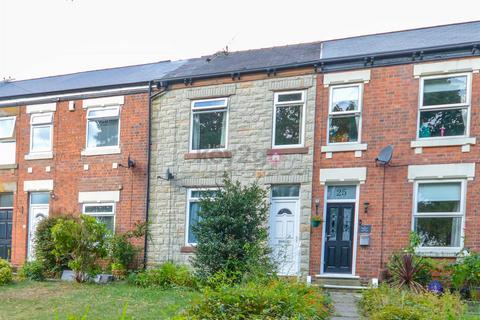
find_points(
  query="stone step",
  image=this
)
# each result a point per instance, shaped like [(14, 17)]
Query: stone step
[(337, 281)]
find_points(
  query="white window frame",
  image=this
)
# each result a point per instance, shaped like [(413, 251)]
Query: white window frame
[(89, 110), (196, 110), (11, 138), (101, 214), (13, 201), (345, 113), (277, 104), (466, 105), (42, 124), (461, 214), (189, 200)]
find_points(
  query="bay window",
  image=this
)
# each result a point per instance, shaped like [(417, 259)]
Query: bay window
[(289, 122), (439, 213), (344, 121), (444, 106), (7, 140), (209, 124)]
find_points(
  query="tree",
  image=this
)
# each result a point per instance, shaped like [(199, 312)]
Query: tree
[(231, 232)]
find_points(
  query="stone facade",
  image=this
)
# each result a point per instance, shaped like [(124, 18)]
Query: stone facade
[(248, 157)]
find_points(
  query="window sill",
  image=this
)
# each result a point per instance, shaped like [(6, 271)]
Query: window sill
[(8, 166), (465, 142), (271, 152), (358, 148), (446, 253), (187, 249), (208, 155), (39, 156), (101, 151)]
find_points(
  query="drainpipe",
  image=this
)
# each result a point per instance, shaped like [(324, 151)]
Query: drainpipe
[(147, 198)]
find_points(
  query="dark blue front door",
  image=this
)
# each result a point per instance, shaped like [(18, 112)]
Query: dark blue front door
[(5, 233), (339, 238)]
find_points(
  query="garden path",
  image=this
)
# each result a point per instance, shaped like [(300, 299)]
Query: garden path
[(345, 304)]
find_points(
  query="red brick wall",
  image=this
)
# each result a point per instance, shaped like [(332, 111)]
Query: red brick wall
[(67, 167), (390, 106)]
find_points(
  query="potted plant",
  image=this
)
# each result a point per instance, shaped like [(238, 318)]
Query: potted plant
[(118, 270), (316, 221)]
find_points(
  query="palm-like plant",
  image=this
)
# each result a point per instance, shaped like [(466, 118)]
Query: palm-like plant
[(406, 269)]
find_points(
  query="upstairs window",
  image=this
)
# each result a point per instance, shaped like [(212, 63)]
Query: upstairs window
[(41, 127), (345, 114), (7, 140), (103, 212), (444, 106), (288, 126), (209, 124), (439, 213), (103, 125)]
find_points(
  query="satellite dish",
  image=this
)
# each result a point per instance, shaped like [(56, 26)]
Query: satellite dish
[(385, 155)]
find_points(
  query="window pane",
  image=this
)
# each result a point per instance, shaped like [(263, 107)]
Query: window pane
[(439, 197), (6, 127), (99, 209), (287, 97), (442, 123), (39, 198), (41, 138), (439, 232), (7, 152), (209, 130), (210, 103), (102, 133), (288, 125), (343, 129), (345, 99), (41, 119), (103, 113), (108, 221), (445, 91), (341, 192), (193, 219), (203, 193), (285, 191), (6, 200)]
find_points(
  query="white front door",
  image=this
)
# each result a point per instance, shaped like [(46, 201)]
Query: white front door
[(283, 238), (37, 212)]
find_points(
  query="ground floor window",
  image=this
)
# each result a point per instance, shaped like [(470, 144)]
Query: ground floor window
[(193, 208), (103, 212), (439, 212)]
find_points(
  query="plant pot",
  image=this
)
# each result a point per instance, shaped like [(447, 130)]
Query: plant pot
[(316, 223)]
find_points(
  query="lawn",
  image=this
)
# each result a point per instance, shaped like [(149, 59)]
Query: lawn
[(45, 300)]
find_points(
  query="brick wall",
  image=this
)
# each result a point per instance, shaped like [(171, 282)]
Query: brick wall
[(390, 109), (67, 167)]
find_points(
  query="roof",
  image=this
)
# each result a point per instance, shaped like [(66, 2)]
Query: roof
[(113, 77), (252, 60), (439, 36)]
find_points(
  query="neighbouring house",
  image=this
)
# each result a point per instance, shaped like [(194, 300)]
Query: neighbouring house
[(65, 146)]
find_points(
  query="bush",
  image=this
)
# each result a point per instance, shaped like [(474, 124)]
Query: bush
[(387, 303), (275, 300), (465, 273), (33, 270), (83, 241), (45, 246), (121, 252), (6, 274), (167, 275), (231, 232)]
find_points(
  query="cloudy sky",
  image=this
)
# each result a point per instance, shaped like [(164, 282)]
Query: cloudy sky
[(49, 37)]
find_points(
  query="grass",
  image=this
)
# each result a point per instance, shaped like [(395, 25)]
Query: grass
[(46, 300)]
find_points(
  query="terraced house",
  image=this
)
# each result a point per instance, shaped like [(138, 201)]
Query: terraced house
[(374, 134)]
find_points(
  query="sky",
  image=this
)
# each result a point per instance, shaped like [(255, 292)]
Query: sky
[(49, 37)]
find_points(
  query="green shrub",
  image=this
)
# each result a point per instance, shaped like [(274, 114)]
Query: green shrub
[(120, 249), (45, 246), (33, 270), (466, 272), (231, 232), (83, 241), (275, 300), (388, 303), (6, 275), (165, 276)]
